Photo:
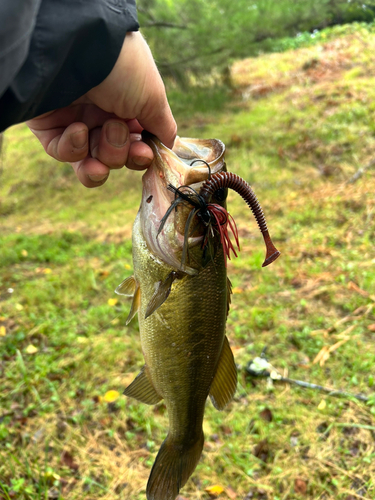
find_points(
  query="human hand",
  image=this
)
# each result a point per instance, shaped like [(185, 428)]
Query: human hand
[(102, 129)]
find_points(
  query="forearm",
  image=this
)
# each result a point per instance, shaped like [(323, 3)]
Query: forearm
[(72, 47)]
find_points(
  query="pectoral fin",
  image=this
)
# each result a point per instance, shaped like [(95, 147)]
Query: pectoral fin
[(224, 383), (135, 304), (127, 287), (142, 389), (161, 293)]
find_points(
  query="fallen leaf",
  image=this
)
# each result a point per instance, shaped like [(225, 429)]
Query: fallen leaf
[(82, 340), (214, 491), (261, 450), (24, 253), (266, 415), (111, 396), (50, 474), (231, 493), (322, 356), (322, 404), (3, 331), (371, 327), (300, 486), (68, 460), (112, 302), (19, 307), (47, 270), (31, 349), (325, 351), (103, 273), (353, 286)]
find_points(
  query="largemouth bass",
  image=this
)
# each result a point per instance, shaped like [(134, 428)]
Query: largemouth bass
[(182, 294)]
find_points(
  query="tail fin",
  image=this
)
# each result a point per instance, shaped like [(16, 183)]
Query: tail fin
[(173, 466)]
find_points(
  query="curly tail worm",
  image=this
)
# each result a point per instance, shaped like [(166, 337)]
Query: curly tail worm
[(233, 181)]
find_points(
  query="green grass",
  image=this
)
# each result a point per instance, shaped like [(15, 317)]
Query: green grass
[(64, 342)]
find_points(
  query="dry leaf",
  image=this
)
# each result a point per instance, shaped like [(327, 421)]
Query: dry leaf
[(300, 486), (371, 327), (261, 450), (68, 460), (322, 404), (214, 491), (266, 415), (24, 253), (47, 270), (322, 356), (231, 493), (3, 331), (111, 396), (112, 302), (31, 349), (325, 351), (82, 340), (353, 286)]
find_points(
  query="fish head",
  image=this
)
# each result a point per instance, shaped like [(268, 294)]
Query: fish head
[(163, 222)]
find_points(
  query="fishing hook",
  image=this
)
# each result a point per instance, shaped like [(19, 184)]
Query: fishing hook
[(208, 166)]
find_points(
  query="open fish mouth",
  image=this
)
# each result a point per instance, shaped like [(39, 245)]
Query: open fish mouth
[(186, 206), (189, 163)]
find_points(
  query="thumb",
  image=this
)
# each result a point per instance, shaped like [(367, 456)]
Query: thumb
[(156, 116)]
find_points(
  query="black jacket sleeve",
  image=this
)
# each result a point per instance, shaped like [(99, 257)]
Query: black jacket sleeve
[(54, 51)]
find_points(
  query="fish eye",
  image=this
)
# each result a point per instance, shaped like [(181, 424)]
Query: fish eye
[(221, 194)]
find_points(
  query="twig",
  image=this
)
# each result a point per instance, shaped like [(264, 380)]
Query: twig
[(360, 172), (331, 392), (260, 367)]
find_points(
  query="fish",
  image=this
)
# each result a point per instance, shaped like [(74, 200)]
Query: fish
[(182, 294)]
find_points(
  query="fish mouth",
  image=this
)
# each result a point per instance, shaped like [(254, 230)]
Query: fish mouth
[(189, 164)]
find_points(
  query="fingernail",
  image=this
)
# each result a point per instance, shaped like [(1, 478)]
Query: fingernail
[(79, 139), (116, 134), (141, 160), (98, 178)]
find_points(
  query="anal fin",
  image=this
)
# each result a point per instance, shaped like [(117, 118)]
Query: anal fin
[(142, 389), (224, 383)]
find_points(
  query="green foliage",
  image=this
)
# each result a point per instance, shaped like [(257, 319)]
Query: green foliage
[(191, 38)]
